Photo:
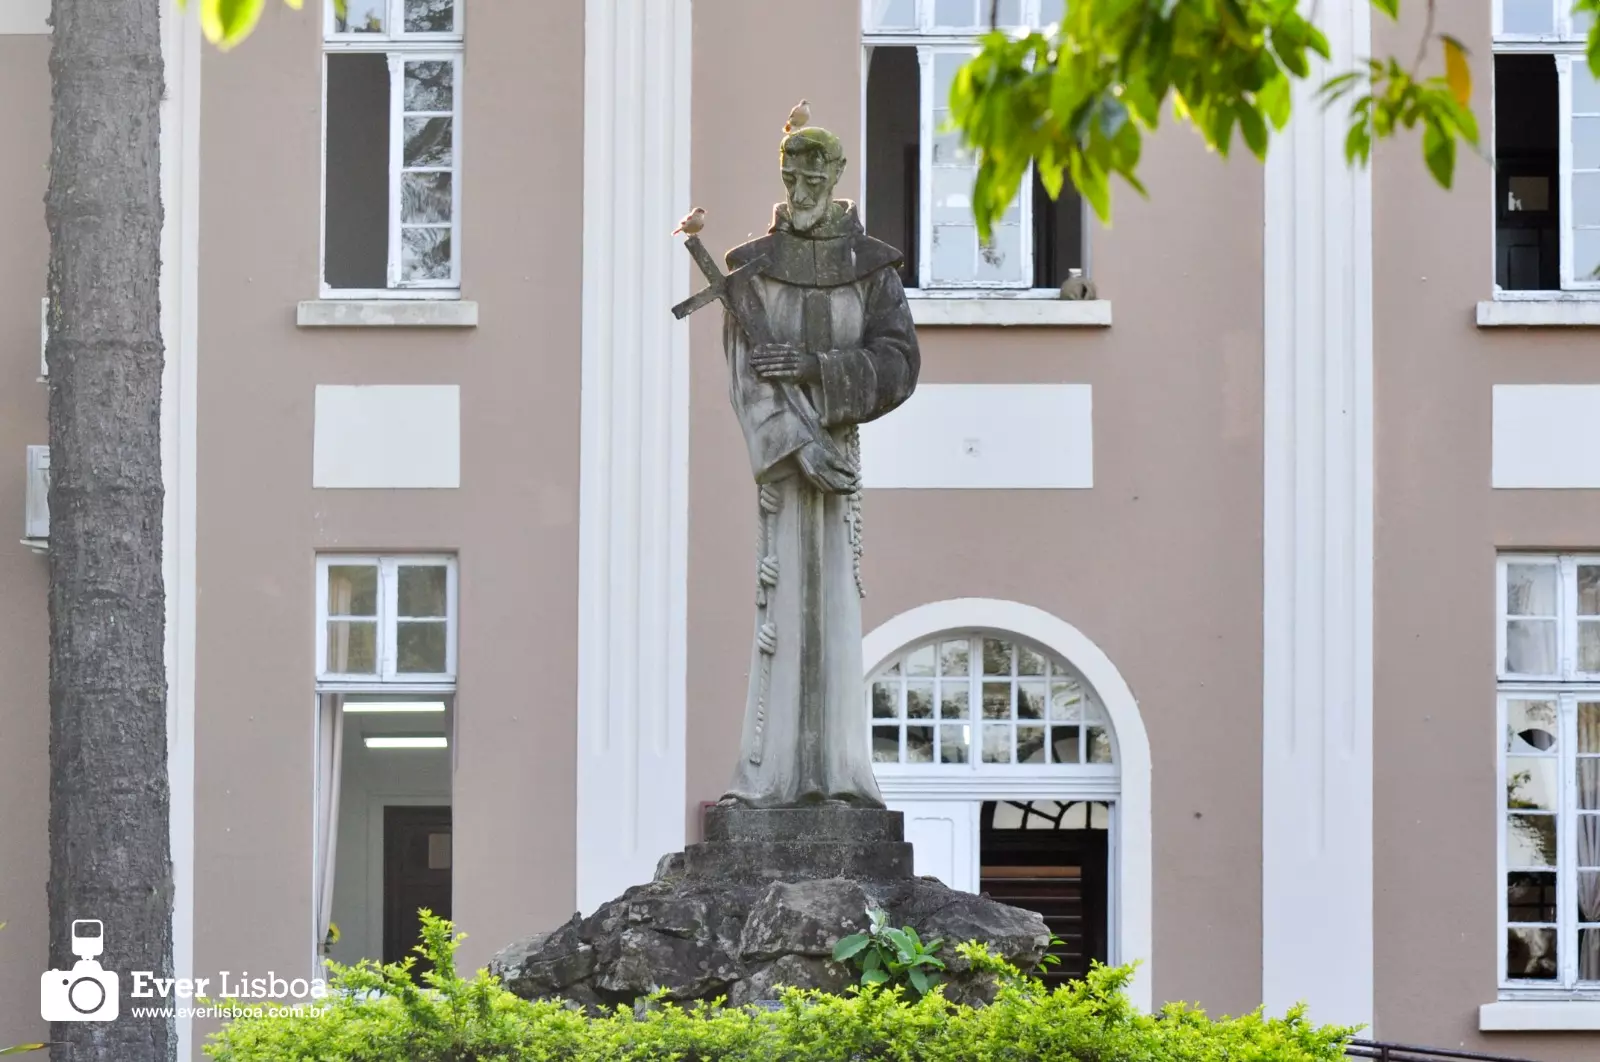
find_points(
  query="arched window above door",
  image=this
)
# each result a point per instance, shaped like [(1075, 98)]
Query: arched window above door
[(986, 700)]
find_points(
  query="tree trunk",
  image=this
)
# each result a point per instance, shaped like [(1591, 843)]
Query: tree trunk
[(110, 856)]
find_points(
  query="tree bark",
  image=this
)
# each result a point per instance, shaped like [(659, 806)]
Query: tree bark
[(110, 856)]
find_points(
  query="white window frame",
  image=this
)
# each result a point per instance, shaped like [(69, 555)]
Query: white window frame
[(401, 47), (1567, 688), (1565, 45), (387, 677), (929, 37)]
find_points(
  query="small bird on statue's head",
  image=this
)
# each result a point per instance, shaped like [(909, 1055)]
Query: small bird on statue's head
[(692, 222), (799, 117)]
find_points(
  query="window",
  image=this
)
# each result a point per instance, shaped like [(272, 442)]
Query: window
[(1547, 149), (919, 178), (983, 699), (391, 169), (386, 619), (1549, 719)]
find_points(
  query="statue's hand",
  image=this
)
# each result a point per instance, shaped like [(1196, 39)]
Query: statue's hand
[(827, 470), (781, 361)]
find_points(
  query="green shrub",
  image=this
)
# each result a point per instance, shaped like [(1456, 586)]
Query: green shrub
[(884, 955), (380, 1014)]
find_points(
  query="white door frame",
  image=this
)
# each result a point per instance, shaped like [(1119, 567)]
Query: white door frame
[(1127, 790)]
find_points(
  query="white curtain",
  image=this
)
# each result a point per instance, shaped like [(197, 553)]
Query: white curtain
[(1588, 844), (330, 758)]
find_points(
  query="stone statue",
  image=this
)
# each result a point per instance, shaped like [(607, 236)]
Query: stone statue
[(819, 339)]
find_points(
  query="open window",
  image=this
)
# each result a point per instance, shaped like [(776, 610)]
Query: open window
[(385, 751), (391, 172), (919, 177), (1547, 150)]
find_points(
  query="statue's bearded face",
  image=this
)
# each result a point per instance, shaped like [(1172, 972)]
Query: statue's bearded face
[(810, 180)]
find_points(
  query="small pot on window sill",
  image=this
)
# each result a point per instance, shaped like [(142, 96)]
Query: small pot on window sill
[(1077, 287)]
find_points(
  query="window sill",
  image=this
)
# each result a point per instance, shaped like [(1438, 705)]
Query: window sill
[(1548, 310), (387, 313), (1509, 1015), (1045, 309)]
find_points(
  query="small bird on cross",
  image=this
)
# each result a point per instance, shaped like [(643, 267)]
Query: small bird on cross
[(692, 222), (799, 117)]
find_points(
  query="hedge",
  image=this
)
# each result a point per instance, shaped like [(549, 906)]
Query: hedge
[(381, 1014)]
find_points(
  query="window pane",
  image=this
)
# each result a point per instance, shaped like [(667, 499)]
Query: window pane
[(953, 744), (352, 647), (423, 590), (1029, 662), (1066, 699), (1531, 647), (360, 16), (1585, 90), (885, 700), (953, 657), (1531, 897), (1588, 727), (1030, 744), (886, 744), (352, 590), (429, 142), (1065, 745), (997, 700), (1531, 726), (1589, 645), (1529, 17), (952, 195), (430, 16), (1530, 841), (425, 197), (430, 85), (420, 648), (1531, 953), (919, 744), (953, 700), (996, 657), (1010, 13), (954, 259), (1000, 260), (356, 219), (920, 662), (1030, 700), (1589, 953), (1099, 745), (945, 65), (919, 700), (960, 13), (1531, 589), (1586, 186), (1589, 835), (996, 743), (425, 254), (1589, 590), (1585, 156), (1532, 783), (1585, 252), (892, 14)]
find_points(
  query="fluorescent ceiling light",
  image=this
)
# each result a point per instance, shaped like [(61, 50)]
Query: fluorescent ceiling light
[(375, 707), (439, 742)]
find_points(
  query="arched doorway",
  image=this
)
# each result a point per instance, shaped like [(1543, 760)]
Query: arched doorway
[(1017, 754)]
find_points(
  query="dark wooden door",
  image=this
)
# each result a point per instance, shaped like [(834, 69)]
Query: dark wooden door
[(416, 874)]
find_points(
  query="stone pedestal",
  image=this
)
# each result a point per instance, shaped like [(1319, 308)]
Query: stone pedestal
[(760, 904)]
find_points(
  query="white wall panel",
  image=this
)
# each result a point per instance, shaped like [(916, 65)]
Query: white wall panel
[(384, 436)]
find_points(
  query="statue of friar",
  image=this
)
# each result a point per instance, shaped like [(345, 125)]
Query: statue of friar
[(826, 344)]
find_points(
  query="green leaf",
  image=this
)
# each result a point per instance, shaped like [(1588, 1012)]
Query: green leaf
[(227, 22), (873, 977), (873, 961), (1253, 129), (919, 981), (1456, 71), (22, 1049), (849, 947), (1439, 149), (1388, 7), (901, 942)]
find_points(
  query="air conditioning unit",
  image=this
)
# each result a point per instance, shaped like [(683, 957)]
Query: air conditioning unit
[(38, 499)]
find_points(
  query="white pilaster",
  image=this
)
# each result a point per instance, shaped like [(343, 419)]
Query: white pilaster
[(1317, 859), (180, 272), (633, 553)]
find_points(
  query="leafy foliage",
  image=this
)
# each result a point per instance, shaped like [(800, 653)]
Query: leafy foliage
[(227, 22), (885, 955), (380, 1014), (1076, 101)]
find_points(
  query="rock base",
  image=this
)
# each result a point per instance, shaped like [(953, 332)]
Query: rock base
[(759, 905)]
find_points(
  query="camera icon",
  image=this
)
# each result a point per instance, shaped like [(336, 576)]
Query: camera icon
[(86, 992)]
